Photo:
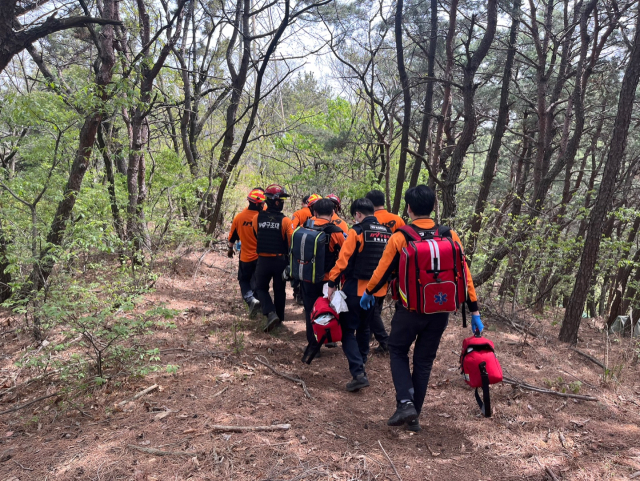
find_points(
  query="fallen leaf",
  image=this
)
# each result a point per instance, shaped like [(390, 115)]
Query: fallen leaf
[(9, 434), (188, 431), (444, 415)]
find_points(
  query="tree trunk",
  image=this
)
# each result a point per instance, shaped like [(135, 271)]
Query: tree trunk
[(44, 267), (406, 119), (252, 116), (139, 129), (108, 167), (572, 317), (489, 170), (428, 99), (446, 96), (5, 275), (449, 205)]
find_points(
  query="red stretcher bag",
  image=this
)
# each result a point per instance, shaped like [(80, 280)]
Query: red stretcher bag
[(432, 271), (480, 368), (325, 332)]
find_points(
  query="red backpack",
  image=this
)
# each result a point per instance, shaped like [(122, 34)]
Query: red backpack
[(432, 272), (325, 332), (480, 368)]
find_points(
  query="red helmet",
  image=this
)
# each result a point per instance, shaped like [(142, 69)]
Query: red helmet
[(256, 196), (275, 191), (313, 198), (334, 198)]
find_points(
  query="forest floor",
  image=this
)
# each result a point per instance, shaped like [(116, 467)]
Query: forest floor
[(335, 434)]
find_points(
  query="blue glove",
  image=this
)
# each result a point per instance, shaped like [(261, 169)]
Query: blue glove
[(476, 324), (367, 301)]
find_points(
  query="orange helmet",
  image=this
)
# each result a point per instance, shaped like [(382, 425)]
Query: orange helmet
[(256, 196), (275, 191), (335, 199), (313, 198)]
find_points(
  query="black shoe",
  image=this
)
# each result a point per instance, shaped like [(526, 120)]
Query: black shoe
[(414, 426), (358, 383), (254, 307), (299, 301), (405, 412), (273, 321), (382, 350), (331, 345)]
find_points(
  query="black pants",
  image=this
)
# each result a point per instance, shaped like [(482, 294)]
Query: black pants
[(310, 293), (426, 331), (271, 268), (246, 271), (376, 325), (355, 334)]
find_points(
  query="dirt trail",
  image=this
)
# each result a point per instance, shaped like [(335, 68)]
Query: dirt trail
[(335, 435)]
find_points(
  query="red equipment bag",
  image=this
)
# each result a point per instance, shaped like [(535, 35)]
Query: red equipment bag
[(325, 333), (480, 368), (432, 272)]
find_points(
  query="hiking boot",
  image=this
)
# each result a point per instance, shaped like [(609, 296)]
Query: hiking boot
[(382, 350), (299, 300), (273, 321), (405, 412), (254, 307), (414, 426), (358, 383), (331, 345)]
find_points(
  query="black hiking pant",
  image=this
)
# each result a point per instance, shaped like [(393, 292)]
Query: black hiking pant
[(246, 278), (310, 294), (376, 325), (355, 334), (426, 331), (269, 268)]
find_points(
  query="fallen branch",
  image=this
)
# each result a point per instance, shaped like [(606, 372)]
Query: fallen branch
[(634, 475), (139, 395), (390, 462), (297, 381), (220, 392), (159, 452), (243, 429), (548, 470), (541, 390), (200, 262), (23, 467), (211, 266), (590, 357), (17, 408)]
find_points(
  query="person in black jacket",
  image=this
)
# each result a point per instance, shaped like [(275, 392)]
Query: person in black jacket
[(358, 259)]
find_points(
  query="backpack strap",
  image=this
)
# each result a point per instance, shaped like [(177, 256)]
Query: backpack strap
[(311, 352), (485, 406), (410, 232)]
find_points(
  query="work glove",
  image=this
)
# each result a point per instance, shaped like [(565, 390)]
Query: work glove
[(476, 324), (286, 274), (367, 301), (230, 252)]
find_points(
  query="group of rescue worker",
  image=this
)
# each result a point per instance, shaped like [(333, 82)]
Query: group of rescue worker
[(361, 266)]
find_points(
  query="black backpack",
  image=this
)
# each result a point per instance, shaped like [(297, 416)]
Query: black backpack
[(310, 258)]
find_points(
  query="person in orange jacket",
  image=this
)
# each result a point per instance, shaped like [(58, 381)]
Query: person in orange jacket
[(273, 238), (407, 326), (323, 211), (393, 222), (301, 216), (358, 258), (242, 230), (335, 218)]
